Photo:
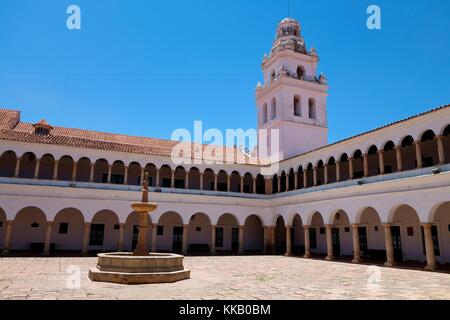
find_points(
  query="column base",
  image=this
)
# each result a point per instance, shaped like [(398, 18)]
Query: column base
[(307, 255), (213, 253), (430, 268), (389, 264), (288, 254), (356, 260), (329, 258)]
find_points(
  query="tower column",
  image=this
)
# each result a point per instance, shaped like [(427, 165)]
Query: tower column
[(125, 175), (350, 168), (241, 239), (307, 242), (201, 181), (55, 170), (87, 229), (36, 169), (329, 229), (288, 241), (212, 250), (154, 232), (109, 173), (338, 171), (315, 176), (398, 156), (17, 169), (305, 178), (185, 239), (121, 236), (325, 173), (295, 180), (8, 234), (91, 172), (356, 246), (389, 246), (366, 164), (74, 171), (418, 154), (429, 247), (440, 147), (381, 160)]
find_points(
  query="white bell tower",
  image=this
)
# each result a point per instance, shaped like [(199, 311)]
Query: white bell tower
[(293, 98)]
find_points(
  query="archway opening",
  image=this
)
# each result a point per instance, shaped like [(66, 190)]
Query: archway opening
[(131, 231), (150, 168), (408, 152), (83, 170), (291, 179), (222, 183), (169, 233), (373, 163), (165, 176), (320, 173), (389, 157), (235, 180), (446, 143), (298, 236), (2, 228), (104, 233), (331, 170), (118, 172), (253, 235), (8, 164), (440, 232), (371, 235), (180, 178), (134, 174), (194, 179), (280, 236), (342, 235), (260, 184), (227, 234), (317, 235), (248, 183), (28, 230), (429, 149), (67, 230), (101, 169), (199, 236), (27, 165), (282, 185), (406, 235), (65, 168), (208, 180), (358, 165), (344, 168)]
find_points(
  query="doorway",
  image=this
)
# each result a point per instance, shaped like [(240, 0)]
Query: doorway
[(177, 239)]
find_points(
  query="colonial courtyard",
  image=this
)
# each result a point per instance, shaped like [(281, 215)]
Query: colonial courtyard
[(225, 277)]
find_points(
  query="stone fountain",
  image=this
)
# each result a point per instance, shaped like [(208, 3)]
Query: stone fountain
[(140, 266)]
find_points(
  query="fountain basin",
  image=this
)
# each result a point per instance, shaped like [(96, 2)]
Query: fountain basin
[(126, 268)]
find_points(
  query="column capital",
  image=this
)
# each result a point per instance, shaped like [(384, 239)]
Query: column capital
[(329, 226), (427, 225), (417, 142), (386, 224), (288, 226), (306, 226), (355, 225), (438, 137), (397, 147), (9, 222), (49, 223), (380, 151)]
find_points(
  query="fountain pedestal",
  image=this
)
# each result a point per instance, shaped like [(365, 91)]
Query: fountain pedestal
[(140, 267)]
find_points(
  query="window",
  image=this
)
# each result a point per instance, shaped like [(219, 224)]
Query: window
[(312, 238), (219, 237), (117, 179), (346, 229), (376, 228), (179, 184), (312, 108), (165, 183), (198, 229), (97, 234), (63, 228), (410, 231), (322, 230), (300, 72), (160, 230), (264, 115), (272, 76), (116, 226), (1, 224), (274, 109), (297, 105)]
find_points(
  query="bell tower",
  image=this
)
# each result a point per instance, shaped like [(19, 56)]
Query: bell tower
[(292, 98)]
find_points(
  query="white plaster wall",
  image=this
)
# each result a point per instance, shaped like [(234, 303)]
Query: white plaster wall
[(199, 237), (411, 245), (168, 221), (22, 232), (111, 236), (227, 222), (73, 240), (253, 234)]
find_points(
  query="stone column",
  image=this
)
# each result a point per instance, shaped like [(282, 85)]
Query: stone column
[(366, 164), (48, 238), (8, 234), (266, 239), (242, 185), (186, 181), (440, 147), (55, 170), (325, 173), (185, 239), (272, 239), (201, 181), (389, 246), (74, 171), (429, 247), (356, 246), (418, 154), (17, 169), (288, 241), (338, 171), (350, 168), (295, 180), (157, 182), (279, 184), (36, 169), (254, 184), (305, 178), (109, 173), (91, 173), (330, 255), (125, 176), (287, 182), (121, 235), (87, 229), (315, 176), (215, 182), (268, 186), (307, 242), (241, 239), (172, 179), (381, 160), (154, 232), (228, 183), (212, 250), (398, 156)]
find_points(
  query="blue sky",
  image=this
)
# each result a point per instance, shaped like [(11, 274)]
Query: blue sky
[(144, 67)]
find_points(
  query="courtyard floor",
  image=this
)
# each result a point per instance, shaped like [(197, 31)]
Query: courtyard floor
[(228, 277)]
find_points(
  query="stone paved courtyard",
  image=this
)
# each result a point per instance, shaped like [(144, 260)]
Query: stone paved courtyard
[(242, 277)]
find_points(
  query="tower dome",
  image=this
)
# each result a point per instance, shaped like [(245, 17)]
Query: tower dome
[(288, 37)]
